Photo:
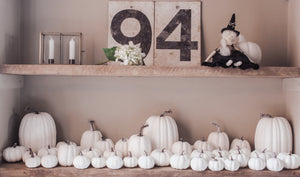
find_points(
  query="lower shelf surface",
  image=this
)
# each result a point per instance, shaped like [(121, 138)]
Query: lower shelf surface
[(19, 170)]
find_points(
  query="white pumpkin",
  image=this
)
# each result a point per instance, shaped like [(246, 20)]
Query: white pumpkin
[(146, 161), (90, 137), (251, 50), (206, 155), (216, 165), (240, 144), (67, 142), (202, 145), (275, 164), (238, 150), (91, 152), (33, 161), (241, 158), (231, 164), (66, 154), (138, 144), (49, 161), (198, 164), (37, 130), (218, 139), (98, 162), (219, 153), (27, 154), (161, 157), (46, 151), (162, 131), (114, 162), (14, 153), (291, 161), (104, 144), (265, 154), (274, 134), (256, 163), (111, 152), (130, 161), (181, 146), (180, 161), (122, 146), (81, 161)]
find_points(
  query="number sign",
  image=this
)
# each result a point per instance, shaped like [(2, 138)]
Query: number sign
[(176, 39)]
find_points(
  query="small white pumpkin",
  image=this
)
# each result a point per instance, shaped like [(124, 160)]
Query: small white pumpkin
[(241, 158), (33, 161), (138, 144), (90, 137), (14, 153), (240, 144), (91, 152), (180, 161), (256, 163), (231, 164), (27, 154), (49, 161), (216, 165), (206, 155), (218, 139), (130, 161), (46, 151), (67, 142), (161, 157), (122, 146), (98, 162), (198, 163), (81, 161), (265, 154), (66, 154), (240, 150), (202, 145), (146, 161), (291, 161), (111, 152), (275, 164), (114, 162), (181, 146), (104, 144), (220, 153)]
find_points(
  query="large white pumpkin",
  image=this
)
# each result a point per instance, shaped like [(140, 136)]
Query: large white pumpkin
[(90, 137), (274, 134), (37, 130), (139, 144), (162, 131)]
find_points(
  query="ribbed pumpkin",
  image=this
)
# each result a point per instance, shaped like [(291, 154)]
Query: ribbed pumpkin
[(274, 134), (37, 130), (218, 139), (162, 131)]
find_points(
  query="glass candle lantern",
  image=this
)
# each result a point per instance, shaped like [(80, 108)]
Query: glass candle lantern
[(60, 48)]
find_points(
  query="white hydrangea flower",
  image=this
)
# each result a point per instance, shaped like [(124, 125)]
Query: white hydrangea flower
[(130, 54)]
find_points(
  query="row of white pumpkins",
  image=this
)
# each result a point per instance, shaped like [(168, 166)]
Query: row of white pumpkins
[(37, 130)]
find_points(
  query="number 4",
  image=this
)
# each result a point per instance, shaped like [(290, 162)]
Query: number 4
[(185, 45)]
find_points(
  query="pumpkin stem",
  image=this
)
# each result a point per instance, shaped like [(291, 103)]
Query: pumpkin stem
[(163, 150), (219, 148), (92, 125), (202, 151), (31, 153), (257, 156), (217, 126), (68, 142), (203, 139), (146, 153), (238, 149), (90, 149), (141, 130), (123, 139), (36, 112), (166, 112), (182, 152), (80, 153), (220, 154), (181, 139), (14, 145), (242, 138), (231, 158), (103, 138), (264, 150), (274, 155), (130, 154), (262, 115), (49, 147), (112, 149)]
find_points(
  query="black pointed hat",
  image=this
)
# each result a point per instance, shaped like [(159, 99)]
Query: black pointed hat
[(231, 26)]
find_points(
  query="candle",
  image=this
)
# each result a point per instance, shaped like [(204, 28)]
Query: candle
[(72, 49), (51, 48)]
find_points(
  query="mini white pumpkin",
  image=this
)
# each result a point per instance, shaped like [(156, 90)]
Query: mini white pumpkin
[(202, 145), (181, 146), (27, 154), (216, 165), (98, 162), (138, 144), (265, 154), (198, 163), (241, 158), (49, 161), (67, 142), (240, 144), (256, 163), (146, 161), (81, 161), (240, 150), (91, 152), (46, 151), (90, 137), (114, 162), (161, 157), (180, 161), (162, 131), (274, 134), (122, 146), (66, 154), (104, 144), (130, 161), (112, 152), (33, 161), (206, 155), (275, 164), (231, 164), (291, 161), (218, 139), (14, 153), (37, 130), (220, 153)]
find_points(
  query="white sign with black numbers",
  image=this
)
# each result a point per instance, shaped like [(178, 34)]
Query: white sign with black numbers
[(176, 38)]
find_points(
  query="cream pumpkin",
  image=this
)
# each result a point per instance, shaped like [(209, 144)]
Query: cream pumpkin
[(66, 154), (240, 143), (122, 146), (218, 139), (202, 145), (181, 146), (104, 144), (161, 157), (14, 153)]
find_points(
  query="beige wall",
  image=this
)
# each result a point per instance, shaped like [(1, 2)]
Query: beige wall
[(293, 33)]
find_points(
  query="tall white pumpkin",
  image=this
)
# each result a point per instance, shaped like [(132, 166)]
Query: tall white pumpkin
[(37, 130), (162, 131), (218, 139), (139, 144), (274, 134), (90, 137)]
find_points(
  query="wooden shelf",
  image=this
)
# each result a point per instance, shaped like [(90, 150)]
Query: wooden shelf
[(147, 71), (19, 170)]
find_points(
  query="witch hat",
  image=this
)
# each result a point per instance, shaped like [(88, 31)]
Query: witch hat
[(231, 26)]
